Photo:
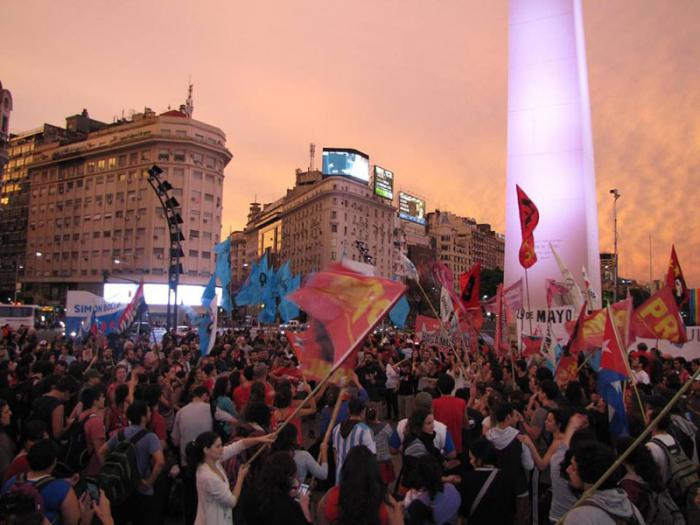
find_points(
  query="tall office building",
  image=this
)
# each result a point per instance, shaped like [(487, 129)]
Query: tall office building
[(93, 218)]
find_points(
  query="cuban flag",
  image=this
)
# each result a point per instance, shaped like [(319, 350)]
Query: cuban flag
[(613, 371), (135, 309)]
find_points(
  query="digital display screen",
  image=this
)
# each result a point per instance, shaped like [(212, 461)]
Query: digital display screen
[(384, 183), (349, 162), (411, 208)]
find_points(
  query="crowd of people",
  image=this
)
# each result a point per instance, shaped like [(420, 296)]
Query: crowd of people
[(118, 430)]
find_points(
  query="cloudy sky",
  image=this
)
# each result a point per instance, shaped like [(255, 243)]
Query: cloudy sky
[(420, 85)]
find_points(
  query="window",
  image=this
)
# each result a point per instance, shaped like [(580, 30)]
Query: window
[(334, 228), (208, 197), (210, 178), (119, 214), (145, 155), (197, 175), (110, 178), (179, 155), (193, 253), (95, 235), (164, 154), (196, 197), (206, 255), (101, 164), (180, 133), (112, 162), (133, 158), (194, 234), (122, 161)]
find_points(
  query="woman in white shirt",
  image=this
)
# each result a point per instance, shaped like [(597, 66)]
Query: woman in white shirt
[(215, 500)]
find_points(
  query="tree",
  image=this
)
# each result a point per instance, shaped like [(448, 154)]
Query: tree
[(489, 281)]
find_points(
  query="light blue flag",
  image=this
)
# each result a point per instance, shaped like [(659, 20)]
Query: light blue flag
[(289, 310), (206, 323), (594, 361), (245, 294), (223, 272), (399, 312)]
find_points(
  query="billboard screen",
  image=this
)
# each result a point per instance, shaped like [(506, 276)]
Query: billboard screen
[(411, 208), (384, 183), (349, 162)]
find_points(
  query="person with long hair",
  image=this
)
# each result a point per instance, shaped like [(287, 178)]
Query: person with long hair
[(429, 500), (221, 400), (287, 441), (215, 499), (642, 481), (274, 498), (362, 497)]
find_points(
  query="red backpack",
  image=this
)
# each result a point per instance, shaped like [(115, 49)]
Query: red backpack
[(24, 496)]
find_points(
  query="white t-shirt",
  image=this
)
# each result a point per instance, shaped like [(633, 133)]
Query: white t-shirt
[(392, 377), (642, 377)]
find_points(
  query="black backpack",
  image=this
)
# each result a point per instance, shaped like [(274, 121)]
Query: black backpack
[(119, 476), (508, 460), (75, 453)]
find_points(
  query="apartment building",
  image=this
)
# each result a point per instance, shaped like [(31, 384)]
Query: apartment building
[(93, 218), (461, 242), (321, 219)]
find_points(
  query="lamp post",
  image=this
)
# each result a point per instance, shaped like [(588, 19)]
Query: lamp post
[(18, 267), (171, 209), (616, 195)]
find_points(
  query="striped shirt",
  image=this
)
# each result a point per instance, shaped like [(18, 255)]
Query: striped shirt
[(359, 435)]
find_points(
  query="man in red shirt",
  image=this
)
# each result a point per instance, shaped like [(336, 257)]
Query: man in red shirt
[(242, 392), (449, 409)]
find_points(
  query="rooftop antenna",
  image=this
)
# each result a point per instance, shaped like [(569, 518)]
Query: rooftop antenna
[(312, 155), (189, 104)]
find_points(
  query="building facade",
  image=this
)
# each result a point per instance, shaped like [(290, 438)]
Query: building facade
[(14, 204), (93, 217), (321, 219), (239, 259), (5, 110), (461, 242)]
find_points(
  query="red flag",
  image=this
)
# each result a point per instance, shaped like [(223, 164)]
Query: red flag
[(554, 288), (529, 217), (501, 343), (531, 344), (612, 357), (577, 341), (594, 325), (314, 351), (426, 324), (658, 318), (513, 296), (469, 286), (568, 364), (675, 279), (344, 306)]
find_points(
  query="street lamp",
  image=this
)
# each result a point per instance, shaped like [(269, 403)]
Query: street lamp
[(616, 195)]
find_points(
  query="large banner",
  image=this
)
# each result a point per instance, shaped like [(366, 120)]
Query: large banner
[(80, 305)]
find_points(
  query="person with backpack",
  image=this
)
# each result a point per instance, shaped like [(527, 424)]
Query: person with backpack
[(679, 474), (137, 453), (645, 489), (609, 504), (55, 498), (512, 456), (50, 409), (488, 495), (92, 431)]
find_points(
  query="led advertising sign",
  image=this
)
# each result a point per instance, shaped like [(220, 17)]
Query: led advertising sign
[(411, 208), (384, 183)]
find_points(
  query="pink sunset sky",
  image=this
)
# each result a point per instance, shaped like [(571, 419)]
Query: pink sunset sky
[(418, 85)]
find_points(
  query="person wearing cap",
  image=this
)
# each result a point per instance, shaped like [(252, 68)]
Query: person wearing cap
[(443, 439)]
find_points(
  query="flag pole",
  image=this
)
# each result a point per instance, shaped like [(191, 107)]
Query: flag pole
[(529, 308), (442, 328), (323, 381), (632, 379), (640, 439)]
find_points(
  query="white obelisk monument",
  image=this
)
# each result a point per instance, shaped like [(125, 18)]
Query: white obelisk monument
[(550, 146)]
